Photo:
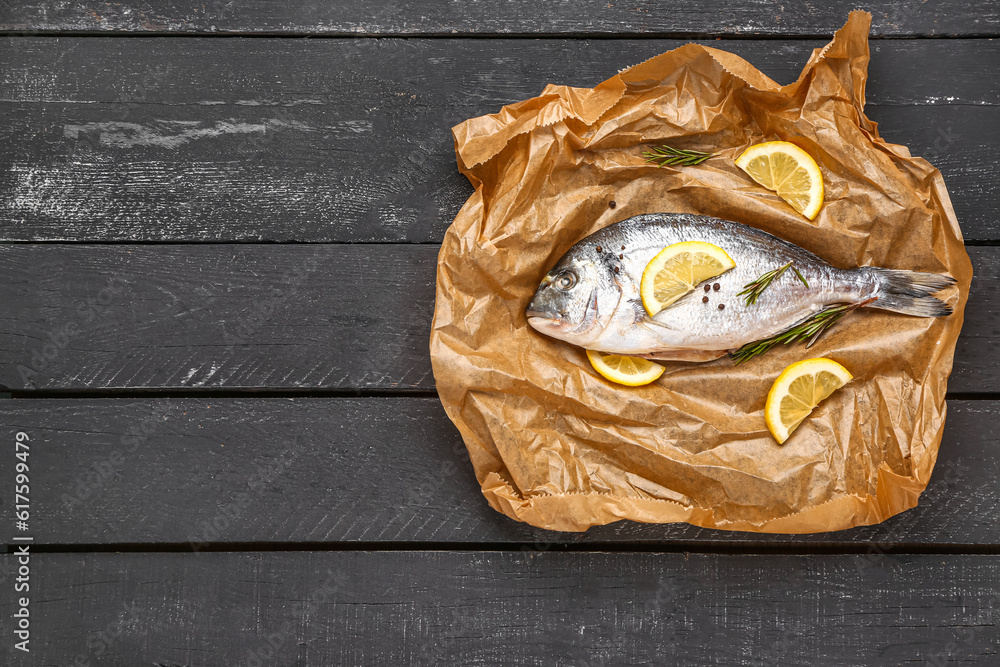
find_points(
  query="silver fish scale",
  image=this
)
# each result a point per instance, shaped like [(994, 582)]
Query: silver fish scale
[(699, 325)]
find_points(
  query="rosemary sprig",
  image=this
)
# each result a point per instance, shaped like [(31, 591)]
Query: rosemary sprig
[(799, 276), (810, 329), (754, 289), (665, 155)]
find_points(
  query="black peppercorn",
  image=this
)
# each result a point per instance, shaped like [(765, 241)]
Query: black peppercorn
[(716, 287), (707, 287), (722, 306), (612, 203), (704, 299), (623, 247), (616, 269)]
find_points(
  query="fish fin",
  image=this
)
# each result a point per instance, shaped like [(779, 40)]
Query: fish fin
[(909, 292), (654, 325), (643, 319)]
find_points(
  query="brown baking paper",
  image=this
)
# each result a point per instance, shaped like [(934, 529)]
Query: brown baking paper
[(557, 446)]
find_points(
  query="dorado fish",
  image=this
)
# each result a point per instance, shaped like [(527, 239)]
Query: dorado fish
[(591, 297)]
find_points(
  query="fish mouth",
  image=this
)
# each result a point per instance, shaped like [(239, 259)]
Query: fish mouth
[(532, 313), (541, 321)]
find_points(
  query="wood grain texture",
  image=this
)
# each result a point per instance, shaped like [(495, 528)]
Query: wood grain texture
[(198, 472), (213, 316), (348, 140), (415, 17), (217, 316), (489, 608), (343, 140)]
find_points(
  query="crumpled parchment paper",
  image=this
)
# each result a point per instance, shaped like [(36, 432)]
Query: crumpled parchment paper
[(557, 446)]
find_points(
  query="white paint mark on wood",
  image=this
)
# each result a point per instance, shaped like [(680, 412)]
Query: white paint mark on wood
[(213, 371), (175, 133), (166, 134), (282, 103), (35, 191)]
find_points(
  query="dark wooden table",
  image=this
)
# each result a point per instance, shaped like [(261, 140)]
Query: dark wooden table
[(221, 223)]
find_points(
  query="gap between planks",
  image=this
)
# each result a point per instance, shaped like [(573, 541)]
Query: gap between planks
[(676, 547), (589, 36)]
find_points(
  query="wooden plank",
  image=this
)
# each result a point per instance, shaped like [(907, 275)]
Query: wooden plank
[(216, 316), (348, 140), (490, 608), (416, 17), (198, 472)]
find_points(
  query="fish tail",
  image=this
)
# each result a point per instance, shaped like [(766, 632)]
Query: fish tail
[(909, 292)]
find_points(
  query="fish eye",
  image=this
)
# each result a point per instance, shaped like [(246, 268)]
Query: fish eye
[(566, 280)]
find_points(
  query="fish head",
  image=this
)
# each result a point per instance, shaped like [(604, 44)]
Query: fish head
[(565, 306)]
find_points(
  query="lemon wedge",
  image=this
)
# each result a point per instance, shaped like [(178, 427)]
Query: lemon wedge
[(677, 270), (631, 371), (798, 390), (787, 170)]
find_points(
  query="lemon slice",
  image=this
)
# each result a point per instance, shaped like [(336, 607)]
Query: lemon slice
[(677, 270), (631, 371), (788, 170), (798, 390)]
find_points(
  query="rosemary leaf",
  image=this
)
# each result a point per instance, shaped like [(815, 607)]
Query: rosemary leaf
[(754, 289), (800, 277), (808, 330), (665, 155)]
